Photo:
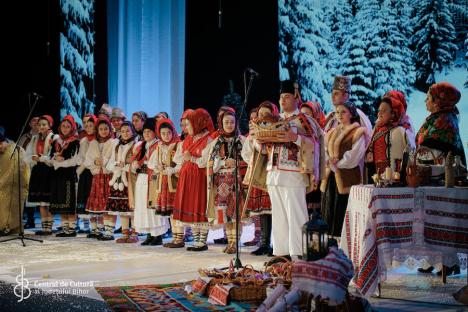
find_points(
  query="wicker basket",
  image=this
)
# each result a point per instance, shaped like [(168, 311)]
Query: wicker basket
[(248, 293), (268, 129)]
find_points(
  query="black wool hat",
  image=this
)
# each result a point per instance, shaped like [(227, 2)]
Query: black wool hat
[(150, 123), (287, 86)]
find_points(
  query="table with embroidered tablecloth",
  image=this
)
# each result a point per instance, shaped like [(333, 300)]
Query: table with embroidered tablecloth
[(385, 227)]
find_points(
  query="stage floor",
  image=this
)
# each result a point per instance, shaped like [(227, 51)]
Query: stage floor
[(74, 266)]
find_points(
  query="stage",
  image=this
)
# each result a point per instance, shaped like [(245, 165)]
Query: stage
[(63, 273)]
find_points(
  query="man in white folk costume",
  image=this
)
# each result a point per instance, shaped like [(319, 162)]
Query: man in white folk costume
[(295, 163)]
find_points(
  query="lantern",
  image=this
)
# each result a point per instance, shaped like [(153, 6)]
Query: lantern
[(315, 240)]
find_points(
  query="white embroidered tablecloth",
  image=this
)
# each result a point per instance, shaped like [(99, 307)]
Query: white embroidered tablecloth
[(388, 226)]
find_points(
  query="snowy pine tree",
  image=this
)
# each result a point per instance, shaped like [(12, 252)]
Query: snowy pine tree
[(285, 35), (356, 62), (308, 49), (433, 40), (466, 57), (76, 58), (338, 17), (391, 56)]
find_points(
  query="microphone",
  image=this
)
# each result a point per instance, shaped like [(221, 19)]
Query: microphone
[(252, 72), (37, 95)]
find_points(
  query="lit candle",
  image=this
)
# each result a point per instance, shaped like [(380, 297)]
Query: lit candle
[(388, 173), (396, 176)]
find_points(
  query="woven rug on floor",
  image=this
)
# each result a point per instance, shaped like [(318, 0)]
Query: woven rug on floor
[(169, 297)]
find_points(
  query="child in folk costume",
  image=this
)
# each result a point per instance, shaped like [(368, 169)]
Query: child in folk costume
[(119, 165), (191, 199), (138, 120), (345, 147), (389, 140), (163, 185), (63, 182), (258, 202), (405, 120), (145, 219), (221, 206), (314, 110), (99, 153), (85, 178), (38, 155)]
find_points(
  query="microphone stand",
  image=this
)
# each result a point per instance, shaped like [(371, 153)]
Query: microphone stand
[(17, 149), (237, 262)]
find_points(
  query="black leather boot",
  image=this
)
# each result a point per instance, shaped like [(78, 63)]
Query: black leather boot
[(148, 240), (265, 248)]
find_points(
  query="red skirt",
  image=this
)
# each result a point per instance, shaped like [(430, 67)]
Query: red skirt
[(166, 199), (190, 200), (99, 194), (258, 202)]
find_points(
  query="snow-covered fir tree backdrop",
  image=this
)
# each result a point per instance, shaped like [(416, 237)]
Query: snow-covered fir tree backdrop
[(380, 44), (77, 58)]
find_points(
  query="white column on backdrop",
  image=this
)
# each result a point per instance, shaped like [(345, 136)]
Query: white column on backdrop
[(146, 49)]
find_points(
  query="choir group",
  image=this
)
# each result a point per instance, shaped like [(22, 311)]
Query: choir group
[(289, 165)]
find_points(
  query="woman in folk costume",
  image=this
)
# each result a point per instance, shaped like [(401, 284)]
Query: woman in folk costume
[(85, 178), (138, 120), (63, 182), (180, 233), (293, 169), (119, 165), (99, 153), (389, 140), (145, 219), (405, 120), (38, 155), (258, 202), (163, 184), (345, 148), (191, 195), (440, 131), (221, 206)]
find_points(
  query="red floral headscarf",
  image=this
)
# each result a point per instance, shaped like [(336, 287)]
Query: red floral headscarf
[(166, 121), (230, 112), (317, 112), (272, 107), (200, 120), (447, 95)]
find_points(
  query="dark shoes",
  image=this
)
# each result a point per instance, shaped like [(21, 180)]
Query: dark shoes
[(106, 238), (455, 269), (63, 234), (221, 241), (148, 240), (156, 241), (94, 235), (263, 251), (200, 248), (43, 233)]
